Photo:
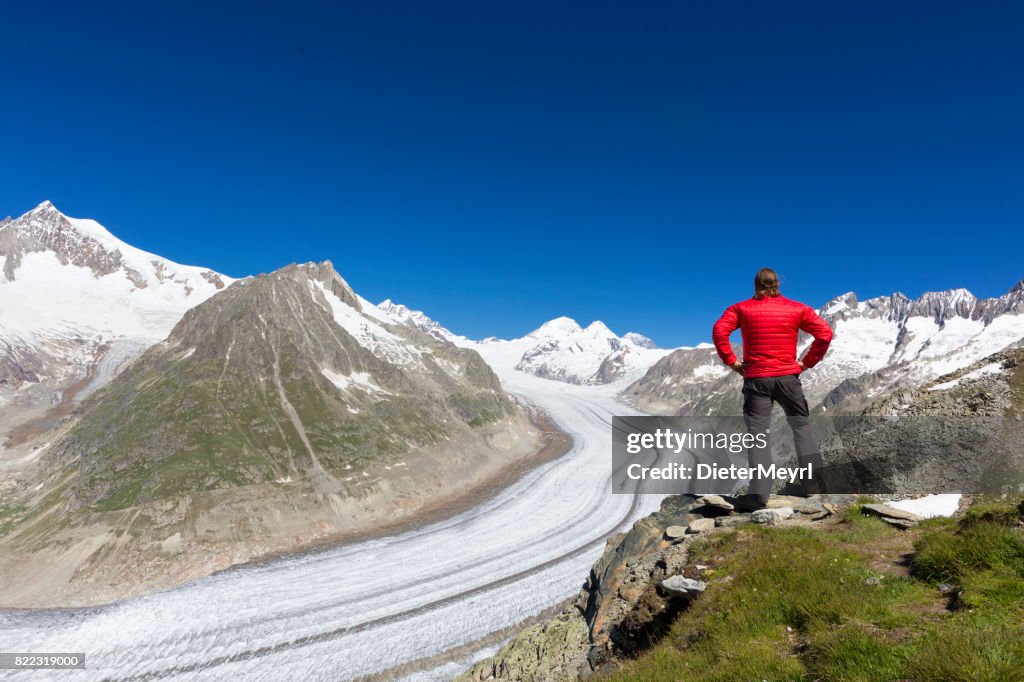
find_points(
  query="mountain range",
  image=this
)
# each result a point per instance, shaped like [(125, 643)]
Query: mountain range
[(880, 345), (174, 420), (286, 409)]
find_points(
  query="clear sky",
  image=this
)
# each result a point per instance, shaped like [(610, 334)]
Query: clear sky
[(500, 164)]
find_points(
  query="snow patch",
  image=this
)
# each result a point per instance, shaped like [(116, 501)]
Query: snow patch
[(371, 334), (945, 504), (357, 380), (991, 368)]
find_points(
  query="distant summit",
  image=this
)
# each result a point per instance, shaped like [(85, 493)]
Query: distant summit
[(73, 294), (565, 351)]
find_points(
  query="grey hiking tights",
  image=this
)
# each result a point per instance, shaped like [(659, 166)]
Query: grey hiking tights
[(758, 397)]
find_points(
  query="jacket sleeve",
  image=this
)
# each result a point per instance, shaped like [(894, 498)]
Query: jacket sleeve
[(822, 333), (726, 325)]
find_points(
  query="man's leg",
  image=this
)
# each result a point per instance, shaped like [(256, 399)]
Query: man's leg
[(790, 394), (757, 413)]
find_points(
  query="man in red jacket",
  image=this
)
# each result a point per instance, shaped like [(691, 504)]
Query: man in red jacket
[(770, 324)]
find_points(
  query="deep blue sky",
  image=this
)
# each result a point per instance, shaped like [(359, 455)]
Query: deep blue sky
[(499, 164)]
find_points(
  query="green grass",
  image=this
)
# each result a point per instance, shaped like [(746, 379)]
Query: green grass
[(987, 539), (798, 607)]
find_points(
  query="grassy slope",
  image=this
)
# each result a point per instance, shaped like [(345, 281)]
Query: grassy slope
[(801, 604), (177, 421)]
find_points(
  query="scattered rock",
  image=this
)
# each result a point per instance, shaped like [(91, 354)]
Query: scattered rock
[(885, 512), (716, 501), (771, 516), (701, 525), (836, 500), (683, 588), (732, 521), (811, 507), (899, 523), (675, 532), (780, 501)]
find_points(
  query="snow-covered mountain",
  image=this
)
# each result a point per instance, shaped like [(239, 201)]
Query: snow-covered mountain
[(283, 403), (561, 349), (68, 288), (894, 341), (77, 303), (880, 344), (400, 314)]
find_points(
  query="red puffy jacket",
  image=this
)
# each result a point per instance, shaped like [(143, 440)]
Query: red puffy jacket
[(770, 327)]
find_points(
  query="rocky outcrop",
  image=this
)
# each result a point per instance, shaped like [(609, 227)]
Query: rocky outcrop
[(961, 432), (991, 386), (644, 579), (553, 650)]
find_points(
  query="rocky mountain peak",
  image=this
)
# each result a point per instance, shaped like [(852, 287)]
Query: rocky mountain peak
[(943, 305), (282, 375), (847, 306), (389, 306), (416, 319), (44, 207), (562, 350), (939, 306), (44, 228), (639, 340), (325, 273), (839, 307), (72, 293)]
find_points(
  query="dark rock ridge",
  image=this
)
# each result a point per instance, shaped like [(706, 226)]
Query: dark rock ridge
[(937, 305)]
